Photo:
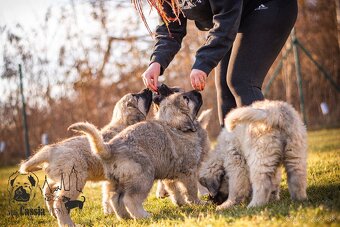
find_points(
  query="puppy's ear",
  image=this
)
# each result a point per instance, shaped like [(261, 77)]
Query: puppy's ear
[(186, 124), (202, 181), (157, 99), (165, 91), (211, 184)]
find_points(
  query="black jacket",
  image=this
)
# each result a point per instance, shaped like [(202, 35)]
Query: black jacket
[(220, 17)]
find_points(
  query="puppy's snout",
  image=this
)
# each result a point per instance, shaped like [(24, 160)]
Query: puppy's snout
[(144, 100), (197, 94), (212, 194), (197, 98), (218, 198)]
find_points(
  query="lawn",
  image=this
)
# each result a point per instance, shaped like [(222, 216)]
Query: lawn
[(321, 209)]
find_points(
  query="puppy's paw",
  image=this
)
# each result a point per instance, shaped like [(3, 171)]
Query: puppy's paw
[(178, 203), (253, 204), (107, 207), (178, 200), (108, 210), (142, 215), (147, 215), (226, 205)]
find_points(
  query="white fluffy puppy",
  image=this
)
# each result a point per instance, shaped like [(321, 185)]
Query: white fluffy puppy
[(258, 139)]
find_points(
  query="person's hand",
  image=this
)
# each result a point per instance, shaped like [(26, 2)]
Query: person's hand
[(150, 76), (197, 79)]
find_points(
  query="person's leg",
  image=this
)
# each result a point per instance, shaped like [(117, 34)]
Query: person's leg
[(261, 37), (225, 99)]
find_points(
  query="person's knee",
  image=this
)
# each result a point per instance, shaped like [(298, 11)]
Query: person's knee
[(244, 91), (238, 86)]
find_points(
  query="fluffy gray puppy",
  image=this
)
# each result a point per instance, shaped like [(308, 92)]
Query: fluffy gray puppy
[(258, 140), (204, 119), (169, 147), (74, 154)]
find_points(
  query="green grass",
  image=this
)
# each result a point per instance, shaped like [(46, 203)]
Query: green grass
[(322, 208)]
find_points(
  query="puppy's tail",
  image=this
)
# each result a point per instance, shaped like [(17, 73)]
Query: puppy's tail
[(33, 164), (272, 113), (204, 118), (246, 114), (94, 137)]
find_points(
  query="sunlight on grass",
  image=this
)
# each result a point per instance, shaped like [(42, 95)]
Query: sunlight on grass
[(322, 208)]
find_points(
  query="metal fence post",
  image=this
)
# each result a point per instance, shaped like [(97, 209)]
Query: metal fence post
[(276, 72), (24, 116), (318, 65), (298, 75)]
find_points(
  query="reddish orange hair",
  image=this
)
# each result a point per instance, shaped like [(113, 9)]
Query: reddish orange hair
[(158, 5)]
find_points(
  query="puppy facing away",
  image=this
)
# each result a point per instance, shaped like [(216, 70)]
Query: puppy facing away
[(169, 147), (258, 139), (75, 152)]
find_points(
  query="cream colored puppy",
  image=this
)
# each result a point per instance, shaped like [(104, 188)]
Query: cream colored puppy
[(74, 154), (258, 140)]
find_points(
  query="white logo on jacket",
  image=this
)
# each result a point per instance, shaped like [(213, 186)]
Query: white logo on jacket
[(189, 4), (261, 7)]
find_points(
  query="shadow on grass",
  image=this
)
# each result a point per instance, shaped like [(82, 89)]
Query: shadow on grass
[(163, 211), (327, 196)]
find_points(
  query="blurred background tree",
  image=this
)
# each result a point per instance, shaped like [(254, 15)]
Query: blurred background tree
[(85, 55)]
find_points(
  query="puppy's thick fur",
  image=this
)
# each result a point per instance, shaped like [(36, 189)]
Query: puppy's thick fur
[(169, 147), (246, 159), (76, 153), (203, 119)]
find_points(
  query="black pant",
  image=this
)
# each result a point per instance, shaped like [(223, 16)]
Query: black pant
[(261, 36)]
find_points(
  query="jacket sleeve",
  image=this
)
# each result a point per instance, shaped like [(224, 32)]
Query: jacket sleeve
[(226, 20), (168, 42)]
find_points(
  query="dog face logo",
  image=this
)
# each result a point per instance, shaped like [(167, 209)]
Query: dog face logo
[(22, 187)]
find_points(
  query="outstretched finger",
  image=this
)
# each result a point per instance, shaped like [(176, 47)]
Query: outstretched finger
[(197, 84), (151, 85), (202, 82), (155, 83)]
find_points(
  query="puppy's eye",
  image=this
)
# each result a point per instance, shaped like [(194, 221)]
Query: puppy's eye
[(186, 98)]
